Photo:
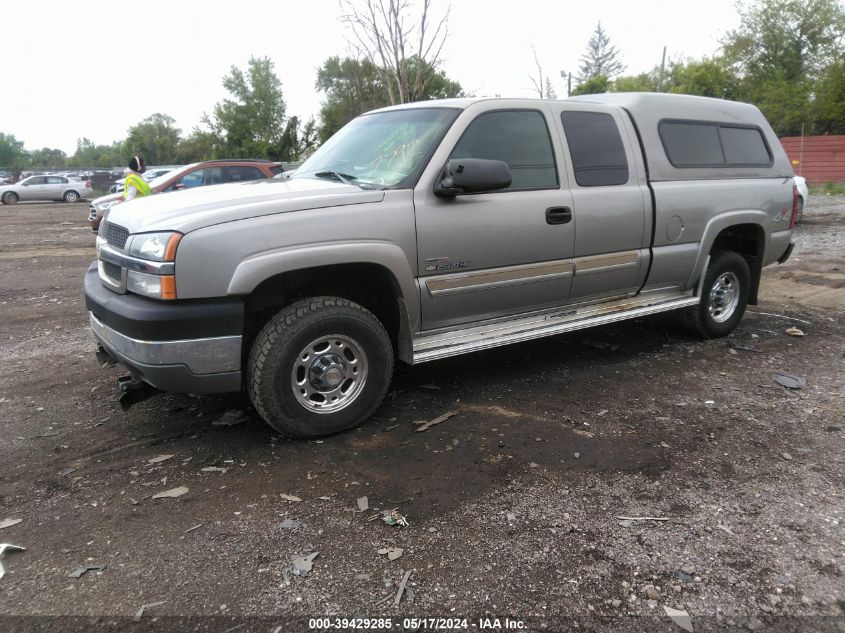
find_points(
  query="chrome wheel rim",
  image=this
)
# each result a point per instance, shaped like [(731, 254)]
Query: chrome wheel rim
[(71, 196), (329, 373), (724, 297)]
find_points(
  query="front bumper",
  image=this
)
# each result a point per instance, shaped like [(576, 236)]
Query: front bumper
[(192, 347)]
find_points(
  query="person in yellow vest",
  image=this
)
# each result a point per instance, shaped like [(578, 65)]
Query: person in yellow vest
[(135, 186)]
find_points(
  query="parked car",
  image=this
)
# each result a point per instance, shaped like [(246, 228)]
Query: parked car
[(439, 228), (45, 188), (212, 172), (803, 195), (151, 174)]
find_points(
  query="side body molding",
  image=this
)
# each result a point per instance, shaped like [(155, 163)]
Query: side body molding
[(715, 226), (253, 270)]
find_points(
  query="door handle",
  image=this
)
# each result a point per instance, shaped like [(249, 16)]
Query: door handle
[(558, 215)]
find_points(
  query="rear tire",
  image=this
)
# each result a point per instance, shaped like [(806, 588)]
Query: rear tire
[(10, 197), (727, 285), (800, 215), (71, 196), (320, 366)]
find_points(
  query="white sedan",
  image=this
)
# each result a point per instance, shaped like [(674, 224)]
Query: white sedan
[(45, 188)]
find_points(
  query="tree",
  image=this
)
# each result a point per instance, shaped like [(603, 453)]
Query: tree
[(251, 123), (355, 86), (600, 58), (707, 78), (542, 85), (779, 51), (594, 85), (789, 39), (200, 145), (644, 82), (12, 154), (387, 37), (88, 154), (828, 107), (46, 158), (155, 139)]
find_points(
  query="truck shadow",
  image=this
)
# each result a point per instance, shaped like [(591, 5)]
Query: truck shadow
[(553, 407)]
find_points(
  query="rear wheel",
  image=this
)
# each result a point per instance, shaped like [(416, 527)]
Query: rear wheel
[(727, 284), (320, 366), (71, 196), (800, 215), (10, 197)]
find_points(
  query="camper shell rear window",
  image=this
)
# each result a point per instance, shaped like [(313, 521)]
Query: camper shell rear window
[(713, 144)]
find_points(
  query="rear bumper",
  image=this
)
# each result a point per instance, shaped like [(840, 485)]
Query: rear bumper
[(786, 253), (190, 347)]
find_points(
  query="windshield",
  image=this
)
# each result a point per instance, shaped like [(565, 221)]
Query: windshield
[(385, 150)]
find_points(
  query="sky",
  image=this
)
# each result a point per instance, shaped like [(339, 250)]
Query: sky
[(93, 68)]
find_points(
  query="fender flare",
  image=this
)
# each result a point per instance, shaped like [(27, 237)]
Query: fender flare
[(256, 269), (718, 224)]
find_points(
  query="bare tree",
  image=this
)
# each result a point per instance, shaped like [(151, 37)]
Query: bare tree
[(406, 52), (542, 85), (600, 58)]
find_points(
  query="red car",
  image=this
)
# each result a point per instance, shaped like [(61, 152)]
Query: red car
[(210, 172)]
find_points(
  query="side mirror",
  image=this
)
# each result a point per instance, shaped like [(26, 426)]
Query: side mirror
[(472, 175)]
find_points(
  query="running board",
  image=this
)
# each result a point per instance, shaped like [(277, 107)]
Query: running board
[(474, 339)]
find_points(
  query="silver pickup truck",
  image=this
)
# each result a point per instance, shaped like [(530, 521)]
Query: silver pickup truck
[(440, 228)]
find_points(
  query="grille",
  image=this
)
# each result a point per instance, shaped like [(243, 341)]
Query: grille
[(116, 236), (112, 270)]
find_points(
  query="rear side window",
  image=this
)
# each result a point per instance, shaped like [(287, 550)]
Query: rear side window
[(241, 173), (704, 144), (744, 146), (598, 155), (518, 137)]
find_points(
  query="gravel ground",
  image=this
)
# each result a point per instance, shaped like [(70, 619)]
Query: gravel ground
[(513, 505)]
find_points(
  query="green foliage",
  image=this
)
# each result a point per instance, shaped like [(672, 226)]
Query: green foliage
[(155, 139), (644, 82), (12, 154), (828, 108), (46, 158), (592, 86), (706, 78), (250, 123), (200, 145), (88, 154), (355, 86), (780, 50)]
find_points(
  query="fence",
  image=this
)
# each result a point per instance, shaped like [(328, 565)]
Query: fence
[(820, 159)]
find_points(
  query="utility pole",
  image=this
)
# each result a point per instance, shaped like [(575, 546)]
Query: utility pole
[(662, 67), (568, 77)]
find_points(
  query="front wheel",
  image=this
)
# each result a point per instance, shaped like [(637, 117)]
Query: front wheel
[(320, 366), (10, 198), (727, 285), (71, 196)]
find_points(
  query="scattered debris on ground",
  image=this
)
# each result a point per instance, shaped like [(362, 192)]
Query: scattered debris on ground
[(790, 381), (172, 493), (7, 523), (8, 547), (424, 426), (140, 612), (392, 552), (84, 569), (303, 564)]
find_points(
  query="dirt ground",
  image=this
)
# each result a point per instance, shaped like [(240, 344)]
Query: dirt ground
[(513, 505)]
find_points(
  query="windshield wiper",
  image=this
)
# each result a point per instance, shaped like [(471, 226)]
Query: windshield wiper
[(344, 178)]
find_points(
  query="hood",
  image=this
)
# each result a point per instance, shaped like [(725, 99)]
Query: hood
[(193, 209)]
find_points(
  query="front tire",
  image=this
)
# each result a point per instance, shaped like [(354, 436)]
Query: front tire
[(71, 196), (10, 198), (727, 285), (320, 366)]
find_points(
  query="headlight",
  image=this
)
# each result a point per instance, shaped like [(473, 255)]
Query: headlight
[(105, 206), (157, 247)]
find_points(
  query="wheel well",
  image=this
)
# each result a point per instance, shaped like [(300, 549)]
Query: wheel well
[(370, 285), (749, 241)]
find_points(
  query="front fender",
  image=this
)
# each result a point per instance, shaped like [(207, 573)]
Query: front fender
[(255, 269)]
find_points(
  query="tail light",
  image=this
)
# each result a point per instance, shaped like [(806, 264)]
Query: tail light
[(793, 220)]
